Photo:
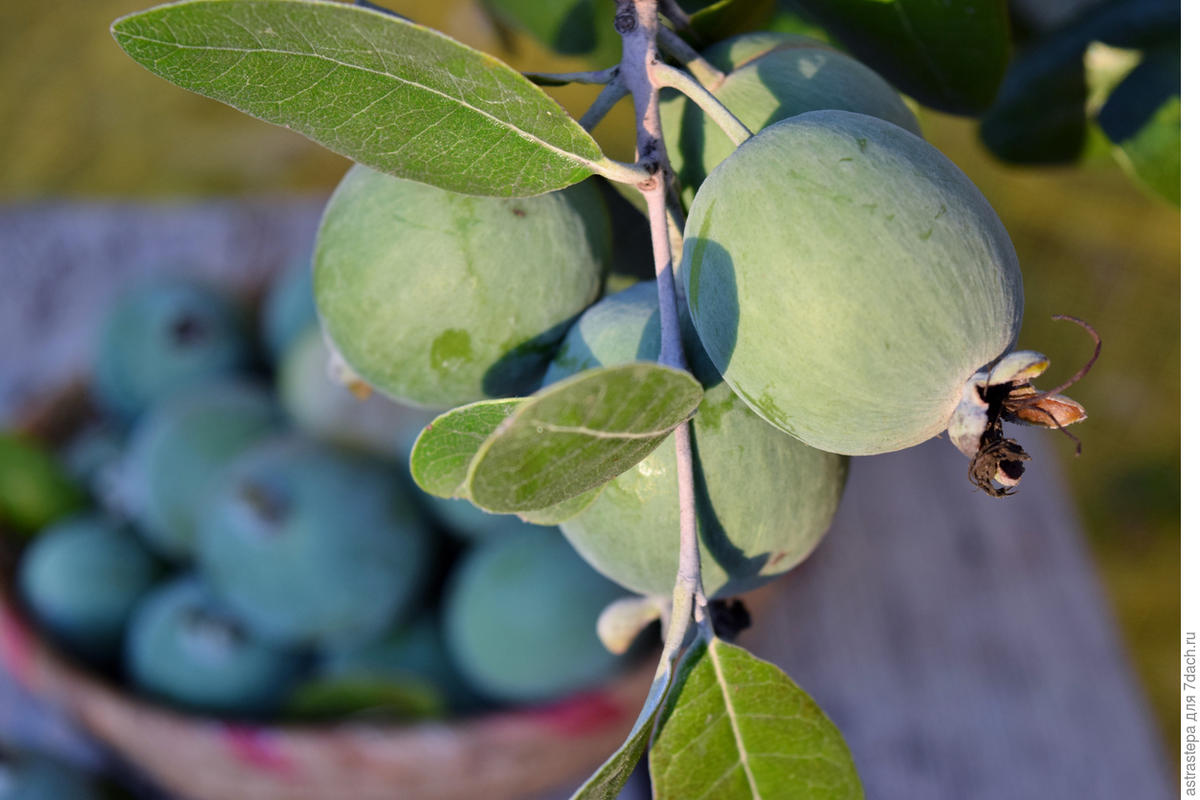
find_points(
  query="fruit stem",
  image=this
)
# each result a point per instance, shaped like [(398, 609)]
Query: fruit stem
[(637, 22), (666, 75), (674, 46)]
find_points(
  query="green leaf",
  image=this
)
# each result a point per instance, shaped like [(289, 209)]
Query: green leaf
[(335, 698), (579, 434), (561, 512), (736, 727), (1040, 114), (606, 782), (571, 27), (443, 452), (727, 18), (1143, 119), (379, 89), (950, 56)]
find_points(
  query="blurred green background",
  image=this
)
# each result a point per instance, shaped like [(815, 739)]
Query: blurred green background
[(81, 120)]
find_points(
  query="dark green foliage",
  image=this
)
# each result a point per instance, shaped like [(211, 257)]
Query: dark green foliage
[(949, 56)]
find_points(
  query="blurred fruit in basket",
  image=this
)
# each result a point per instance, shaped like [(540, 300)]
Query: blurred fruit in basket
[(314, 545), (164, 335), (187, 647), (81, 579), (521, 614), (179, 450)]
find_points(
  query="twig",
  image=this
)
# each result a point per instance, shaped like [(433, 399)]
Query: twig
[(612, 92), (637, 22), (666, 75), (563, 78), (674, 46)]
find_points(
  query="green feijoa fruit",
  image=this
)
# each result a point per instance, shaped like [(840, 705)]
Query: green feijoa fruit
[(848, 280), (314, 545), (325, 407), (439, 299), (186, 647), (35, 490), (520, 618), (772, 77), (177, 454), (81, 578), (161, 336), (764, 499)]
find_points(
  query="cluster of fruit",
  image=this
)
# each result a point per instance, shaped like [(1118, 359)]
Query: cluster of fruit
[(251, 552), (868, 306)]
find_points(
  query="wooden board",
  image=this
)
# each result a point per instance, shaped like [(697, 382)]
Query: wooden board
[(960, 642)]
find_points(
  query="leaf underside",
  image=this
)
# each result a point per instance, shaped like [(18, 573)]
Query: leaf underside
[(736, 727), (388, 93), (579, 434), (443, 452), (606, 782)]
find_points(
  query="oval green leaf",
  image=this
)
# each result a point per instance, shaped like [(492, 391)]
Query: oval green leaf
[(443, 452), (579, 434), (1143, 117), (561, 512), (727, 18), (736, 727), (377, 88), (949, 56)]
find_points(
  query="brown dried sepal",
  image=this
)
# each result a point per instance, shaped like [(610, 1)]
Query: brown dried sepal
[(998, 466)]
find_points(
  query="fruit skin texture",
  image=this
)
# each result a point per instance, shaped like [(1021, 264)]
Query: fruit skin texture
[(164, 335), (82, 578), (314, 545), (520, 618), (438, 299), (772, 77), (847, 280), (177, 454), (764, 500), (186, 647)]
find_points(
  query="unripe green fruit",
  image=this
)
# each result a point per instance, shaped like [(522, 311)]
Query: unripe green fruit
[(186, 647), (772, 77), (763, 499), (520, 618), (162, 336), (314, 545), (82, 578), (439, 299), (325, 408), (847, 280), (179, 451)]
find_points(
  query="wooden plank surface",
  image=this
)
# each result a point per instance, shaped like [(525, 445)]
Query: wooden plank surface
[(960, 642)]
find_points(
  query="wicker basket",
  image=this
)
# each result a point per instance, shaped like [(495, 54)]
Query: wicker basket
[(507, 754)]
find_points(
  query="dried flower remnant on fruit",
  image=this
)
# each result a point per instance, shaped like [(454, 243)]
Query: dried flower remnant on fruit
[(1005, 393)]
